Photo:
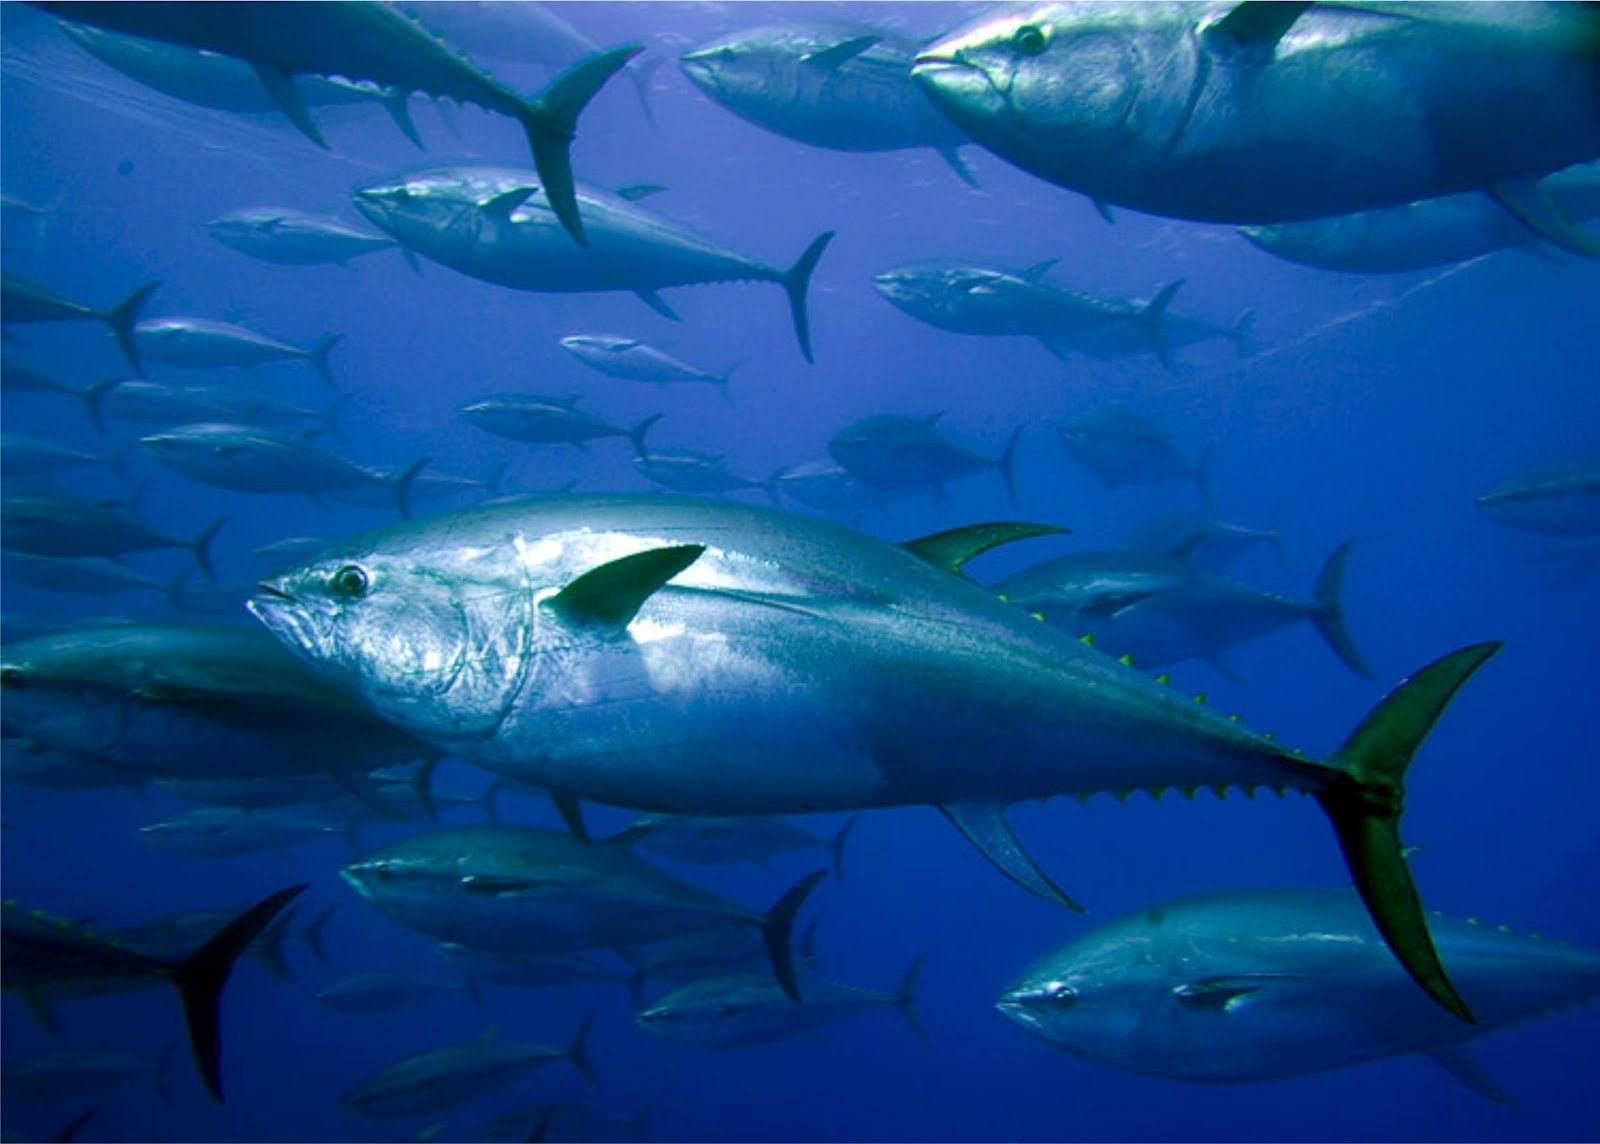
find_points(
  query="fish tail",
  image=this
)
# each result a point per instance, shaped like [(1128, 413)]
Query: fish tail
[(1364, 802), (93, 398), (836, 846), (641, 77), (405, 483), (122, 317), (578, 1050), (1329, 616), (777, 926), (312, 936), (319, 356), (637, 433), (905, 998), (796, 282), (201, 976), (269, 946), (1153, 319), (201, 547), (1007, 464), (550, 120)]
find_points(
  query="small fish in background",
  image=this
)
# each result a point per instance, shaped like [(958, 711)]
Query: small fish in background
[(441, 1079), (23, 302), (1260, 985), (173, 934), (76, 1074), (1159, 609), (715, 840), (831, 85), (255, 459), (382, 45), (68, 526), (824, 485), (495, 224), (23, 455), (695, 957), (521, 888), (85, 574), (741, 1012), (899, 454), (1124, 448), (227, 831), (564, 1120), (200, 343), (632, 360), (23, 763), (1428, 233), (15, 377), (426, 488), (1287, 111), (988, 301), (547, 420), (291, 237), (1206, 540), (388, 991), (38, 954), (165, 405), (1560, 498), (686, 470)]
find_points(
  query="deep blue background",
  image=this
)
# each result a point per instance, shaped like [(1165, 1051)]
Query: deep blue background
[(1377, 410)]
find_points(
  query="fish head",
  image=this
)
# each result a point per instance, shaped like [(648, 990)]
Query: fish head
[(1065, 87), (954, 297), (736, 70), (429, 637), (424, 209)]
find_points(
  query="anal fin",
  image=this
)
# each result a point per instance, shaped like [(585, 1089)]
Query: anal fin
[(984, 825), (280, 87), (1458, 1061)]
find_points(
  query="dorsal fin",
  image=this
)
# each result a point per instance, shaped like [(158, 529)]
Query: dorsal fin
[(1039, 269), (836, 55), (505, 202), (636, 191)]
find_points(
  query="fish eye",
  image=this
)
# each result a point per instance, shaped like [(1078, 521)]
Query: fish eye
[(1029, 40), (1060, 994), (350, 581)]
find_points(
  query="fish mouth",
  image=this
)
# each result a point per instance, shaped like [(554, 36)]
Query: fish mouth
[(698, 68), (284, 616), (1017, 1008), (954, 82)]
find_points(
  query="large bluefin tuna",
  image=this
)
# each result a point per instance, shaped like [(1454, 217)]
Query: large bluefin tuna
[(829, 85), (1271, 112), (708, 657), (495, 224), (370, 41), (1258, 985), (1562, 497)]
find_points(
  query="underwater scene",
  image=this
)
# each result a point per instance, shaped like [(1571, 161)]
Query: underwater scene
[(1080, 625)]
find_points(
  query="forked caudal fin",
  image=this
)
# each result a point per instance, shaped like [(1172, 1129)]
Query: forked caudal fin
[(796, 282), (550, 120), (777, 925), (1365, 800), (1329, 617), (200, 978), (121, 319)]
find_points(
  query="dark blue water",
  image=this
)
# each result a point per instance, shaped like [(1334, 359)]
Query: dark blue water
[(1377, 410)]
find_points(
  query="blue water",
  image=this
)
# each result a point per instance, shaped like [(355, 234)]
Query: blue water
[(1377, 410)]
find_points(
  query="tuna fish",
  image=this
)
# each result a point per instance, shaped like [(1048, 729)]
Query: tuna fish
[(142, 402), (252, 459), (189, 700), (174, 934), (825, 485), (686, 470), (1562, 497), (633, 360), (1429, 233), (386, 992), (1126, 448), (18, 378), (227, 832), (546, 420), (39, 953), (23, 302), (739, 1012), (73, 1074), (696, 957), (909, 454), (25, 456), (66, 526), (518, 888), (294, 238), (1205, 539), (199, 343), (495, 224), (76, 574), (1269, 112), (440, 1079), (1159, 610), (26, 764), (707, 657), (374, 42), (987, 301), (530, 970), (719, 840), (1258, 985), (829, 85)]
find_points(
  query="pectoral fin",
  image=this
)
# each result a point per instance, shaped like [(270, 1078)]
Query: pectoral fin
[(505, 202), (1256, 25), (498, 885), (984, 825), (1458, 1061), (953, 547), (836, 55), (1220, 993), (658, 304), (612, 594), (1531, 206)]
